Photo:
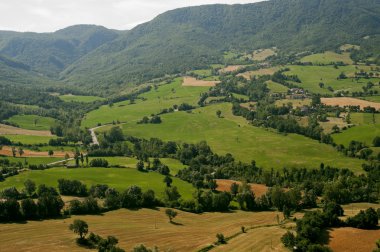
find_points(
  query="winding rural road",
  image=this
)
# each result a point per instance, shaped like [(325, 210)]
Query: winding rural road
[(95, 140)]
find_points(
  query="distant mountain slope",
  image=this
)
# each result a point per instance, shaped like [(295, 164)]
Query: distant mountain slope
[(195, 36), (50, 53)]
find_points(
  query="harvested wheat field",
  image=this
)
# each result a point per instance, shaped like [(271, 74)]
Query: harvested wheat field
[(7, 151), (10, 130), (352, 239), (347, 101), (190, 232), (264, 71), (193, 82), (225, 185), (229, 69), (259, 239)]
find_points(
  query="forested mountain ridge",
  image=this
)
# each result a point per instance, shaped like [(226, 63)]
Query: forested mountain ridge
[(196, 36), (50, 53), (96, 58)]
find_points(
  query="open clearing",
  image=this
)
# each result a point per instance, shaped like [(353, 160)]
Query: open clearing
[(193, 82), (150, 227), (29, 139), (230, 69), (7, 151), (264, 71), (225, 185), (262, 54), (276, 87), (164, 97), (328, 58), (119, 178), (352, 239), (80, 98), (348, 101), (10, 130), (32, 122), (311, 76), (297, 103)]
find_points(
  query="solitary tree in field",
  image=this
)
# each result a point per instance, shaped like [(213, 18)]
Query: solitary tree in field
[(168, 181), (79, 227), (14, 152), (20, 151), (220, 239), (87, 160), (218, 113), (171, 214), (51, 153), (81, 158)]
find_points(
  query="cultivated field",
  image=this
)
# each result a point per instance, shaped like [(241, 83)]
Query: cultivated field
[(328, 58), (225, 185), (7, 151), (193, 82), (32, 122), (150, 227), (348, 101), (119, 178), (80, 98), (352, 239), (229, 69), (297, 103), (10, 130)]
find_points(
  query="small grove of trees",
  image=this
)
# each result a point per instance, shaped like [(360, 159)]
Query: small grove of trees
[(312, 226), (80, 227), (99, 162)]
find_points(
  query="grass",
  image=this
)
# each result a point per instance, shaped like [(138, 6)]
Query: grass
[(232, 134), (164, 97), (80, 98), (327, 58), (365, 130), (32, 160), (261, 55), (372, 98), (32, 122), (118, 178), (276, 87), (29, 139), (202, 72), (311, 76), (145, 226), (295, 102)]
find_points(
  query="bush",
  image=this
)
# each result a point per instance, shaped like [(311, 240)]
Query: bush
[(220, 239), (367, 219), (99, 162)]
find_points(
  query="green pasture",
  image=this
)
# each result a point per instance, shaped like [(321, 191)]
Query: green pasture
[(29, 139), (327, 58), (32, 122), (80, 98), (276, 87), (165, 96), (32, 160), (118, 178), (232, 134)]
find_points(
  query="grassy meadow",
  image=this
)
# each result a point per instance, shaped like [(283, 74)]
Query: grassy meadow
[(32, 122), (24, 139), (164, 97), (118, 178), (80, 98), (232, 134), (32, 160), (328, 58), (367, 127)]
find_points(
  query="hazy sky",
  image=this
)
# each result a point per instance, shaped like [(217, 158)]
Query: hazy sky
[(51, 15)]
